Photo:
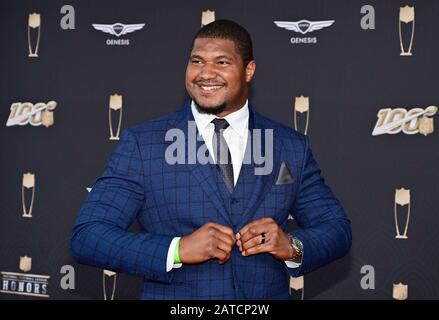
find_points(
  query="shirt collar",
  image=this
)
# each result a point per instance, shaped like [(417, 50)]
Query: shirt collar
[(238, 120)]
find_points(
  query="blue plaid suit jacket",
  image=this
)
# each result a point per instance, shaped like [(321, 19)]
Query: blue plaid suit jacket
[(175, 200)]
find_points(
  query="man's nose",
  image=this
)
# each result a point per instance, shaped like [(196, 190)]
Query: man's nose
[(208, 71)]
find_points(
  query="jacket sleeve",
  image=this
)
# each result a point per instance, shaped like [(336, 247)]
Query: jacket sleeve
[(100, 236), (325, 230)]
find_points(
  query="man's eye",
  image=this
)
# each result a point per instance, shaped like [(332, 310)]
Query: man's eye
[(222, 62), (195, 61)]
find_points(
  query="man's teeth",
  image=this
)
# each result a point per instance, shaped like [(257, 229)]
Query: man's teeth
[(211, 87)]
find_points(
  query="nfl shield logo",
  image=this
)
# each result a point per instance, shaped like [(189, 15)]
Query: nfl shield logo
[(207, 17), (25, 263), (296, 283), (34, 20), (406, 14), (301, 104), (400, 291), (426, 126), (47, 118)]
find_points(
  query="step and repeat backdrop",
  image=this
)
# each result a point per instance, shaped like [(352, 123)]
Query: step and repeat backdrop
[(358, 77)]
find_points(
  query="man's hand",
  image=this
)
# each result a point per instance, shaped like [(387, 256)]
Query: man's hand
[(211, 241), (250, 239)]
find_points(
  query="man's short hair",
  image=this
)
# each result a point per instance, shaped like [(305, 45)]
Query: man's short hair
[(227, 29)]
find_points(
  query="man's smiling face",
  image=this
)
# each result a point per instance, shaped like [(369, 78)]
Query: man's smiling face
[(216, 78)]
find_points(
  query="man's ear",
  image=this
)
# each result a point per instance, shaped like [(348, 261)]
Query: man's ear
[(250, 70)]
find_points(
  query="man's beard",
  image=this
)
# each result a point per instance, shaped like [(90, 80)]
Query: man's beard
[(210, 110)]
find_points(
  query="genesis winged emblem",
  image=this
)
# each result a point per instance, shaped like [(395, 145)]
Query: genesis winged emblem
[(304, 26), (118, 29)]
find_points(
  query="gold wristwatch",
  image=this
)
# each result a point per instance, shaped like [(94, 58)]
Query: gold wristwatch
[(297, 246)]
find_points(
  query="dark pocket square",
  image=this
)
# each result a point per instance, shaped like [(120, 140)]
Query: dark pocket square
[(284, 176)]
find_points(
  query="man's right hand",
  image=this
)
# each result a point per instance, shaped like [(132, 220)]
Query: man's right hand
[(211, 241)]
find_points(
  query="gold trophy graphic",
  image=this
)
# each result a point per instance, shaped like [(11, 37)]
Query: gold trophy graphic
[(33, 23), (301, 105), (400, 291), (115, 104), (406, 15), (110, 274), (28, 183), (297, 284), (402, 197), (207, 17)]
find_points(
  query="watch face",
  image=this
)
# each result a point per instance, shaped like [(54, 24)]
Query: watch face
[(297, 244)]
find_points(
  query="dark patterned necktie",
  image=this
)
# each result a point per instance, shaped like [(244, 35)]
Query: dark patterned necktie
[(222, 153)]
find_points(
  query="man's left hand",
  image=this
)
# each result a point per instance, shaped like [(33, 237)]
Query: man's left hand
[(264, 235)]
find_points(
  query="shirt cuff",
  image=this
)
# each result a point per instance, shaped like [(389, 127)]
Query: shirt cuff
[(170, 259), (292, 264)]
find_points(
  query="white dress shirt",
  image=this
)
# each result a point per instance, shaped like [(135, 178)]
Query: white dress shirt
[(236, 135)]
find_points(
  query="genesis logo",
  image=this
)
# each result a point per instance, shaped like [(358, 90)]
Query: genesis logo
[(118, 29), (304, 27)]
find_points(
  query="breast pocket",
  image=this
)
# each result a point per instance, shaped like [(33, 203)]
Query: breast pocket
[(281, 197)]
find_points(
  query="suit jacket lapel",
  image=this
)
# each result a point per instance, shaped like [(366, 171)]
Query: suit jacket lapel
[(263, 182), (203, 173)]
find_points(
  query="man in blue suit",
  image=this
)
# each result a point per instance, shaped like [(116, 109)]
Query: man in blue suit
[(212, 229)]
